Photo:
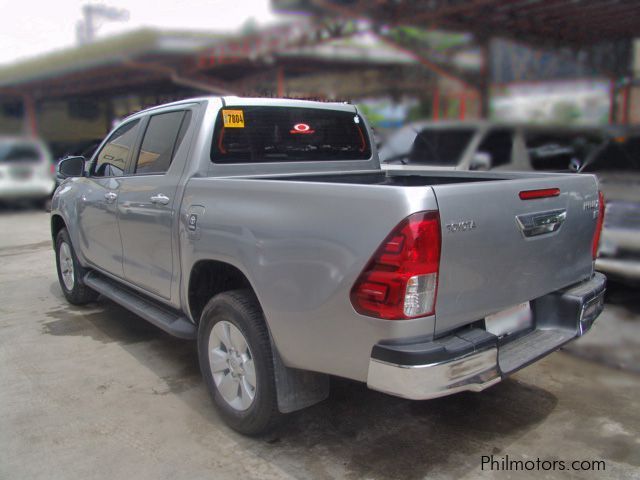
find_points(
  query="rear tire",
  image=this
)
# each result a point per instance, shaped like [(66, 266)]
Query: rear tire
[(71, 273), (236, 362)]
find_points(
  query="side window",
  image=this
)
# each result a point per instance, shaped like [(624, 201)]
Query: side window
[(438, 146), (112, 159), (498, 145), (614, 157), (557, 151), (162, 138)]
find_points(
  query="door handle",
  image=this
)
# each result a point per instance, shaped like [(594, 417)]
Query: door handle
[(110, 197), (160, 199)]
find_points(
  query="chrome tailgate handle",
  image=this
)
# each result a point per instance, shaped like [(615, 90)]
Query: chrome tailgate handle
[(160, 199), (539, 223), (110, 197)]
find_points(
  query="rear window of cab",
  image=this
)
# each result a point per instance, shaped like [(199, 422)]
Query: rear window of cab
[(259, 134)]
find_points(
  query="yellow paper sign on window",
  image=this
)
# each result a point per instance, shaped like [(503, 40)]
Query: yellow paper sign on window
[(233, 118)]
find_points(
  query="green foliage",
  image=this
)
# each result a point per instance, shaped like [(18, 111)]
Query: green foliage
[(565, 113), (432, 39), (421, 111), (372, 115)]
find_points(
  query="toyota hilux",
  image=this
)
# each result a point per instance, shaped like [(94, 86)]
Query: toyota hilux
[(265, 230)]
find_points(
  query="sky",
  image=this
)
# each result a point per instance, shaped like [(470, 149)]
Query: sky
[(33, 27)]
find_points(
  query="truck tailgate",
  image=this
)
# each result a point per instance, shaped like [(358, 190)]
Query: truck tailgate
[(495, 251)]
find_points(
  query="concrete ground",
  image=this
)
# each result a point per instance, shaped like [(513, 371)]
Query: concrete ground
[(97, 393)]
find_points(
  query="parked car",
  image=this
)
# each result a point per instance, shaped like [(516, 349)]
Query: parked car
[(617, 165), (489, 145), (266, 230), (26, 171)]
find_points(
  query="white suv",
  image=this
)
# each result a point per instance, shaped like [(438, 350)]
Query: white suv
[(26, 171)]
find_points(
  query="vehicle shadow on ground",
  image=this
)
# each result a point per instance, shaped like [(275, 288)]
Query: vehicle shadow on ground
[(374, 435), (356, 431)]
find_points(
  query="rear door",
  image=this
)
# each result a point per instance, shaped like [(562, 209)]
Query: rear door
[(499, 250), (147, 200)]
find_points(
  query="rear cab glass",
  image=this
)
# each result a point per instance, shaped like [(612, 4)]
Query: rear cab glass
[(262, 134)]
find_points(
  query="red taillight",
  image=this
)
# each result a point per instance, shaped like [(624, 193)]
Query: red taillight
[(596, 234), (541, 193), (401, 279)]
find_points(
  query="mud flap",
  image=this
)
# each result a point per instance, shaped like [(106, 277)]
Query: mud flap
[(297, 389)]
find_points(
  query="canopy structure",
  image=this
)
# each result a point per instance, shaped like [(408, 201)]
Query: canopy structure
[(551, 22), (79, 92), (596, 34)]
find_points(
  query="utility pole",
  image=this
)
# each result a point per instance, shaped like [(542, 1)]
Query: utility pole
[(93, 16)]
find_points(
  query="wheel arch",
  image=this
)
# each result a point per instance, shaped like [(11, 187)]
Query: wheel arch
[(208, 278), (57, 224)]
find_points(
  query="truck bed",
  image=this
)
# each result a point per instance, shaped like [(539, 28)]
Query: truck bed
[(395, 179)]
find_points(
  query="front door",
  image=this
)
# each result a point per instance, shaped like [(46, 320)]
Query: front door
[(99, 234), (146, 204)]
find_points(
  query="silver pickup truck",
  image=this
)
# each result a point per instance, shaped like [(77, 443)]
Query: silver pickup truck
[(266, 230)]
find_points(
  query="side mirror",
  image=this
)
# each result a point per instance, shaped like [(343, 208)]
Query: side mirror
[(71, 167), (481, 161)]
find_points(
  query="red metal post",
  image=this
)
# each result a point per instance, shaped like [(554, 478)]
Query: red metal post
[(30, 121), (280, 82), (436, 103), (485, 87), (626, 104), (612, 102)]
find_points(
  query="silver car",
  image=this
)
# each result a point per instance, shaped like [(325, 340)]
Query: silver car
[(266, 230)]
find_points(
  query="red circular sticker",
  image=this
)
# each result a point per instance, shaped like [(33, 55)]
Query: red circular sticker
[(301, 127)]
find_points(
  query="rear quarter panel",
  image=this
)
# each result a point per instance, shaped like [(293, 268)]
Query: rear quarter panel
[(302, 246)]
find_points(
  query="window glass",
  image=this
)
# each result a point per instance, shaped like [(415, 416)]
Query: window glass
[(112, 159), (288, 134), (440, 146), (396, 148), (159, 142), (498, 145), (557, 151), (20, 152), (616, 155)]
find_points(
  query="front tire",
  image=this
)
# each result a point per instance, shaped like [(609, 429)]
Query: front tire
[(71, 273), (236, 362)]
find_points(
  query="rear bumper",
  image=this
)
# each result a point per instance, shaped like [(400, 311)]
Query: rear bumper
[(473, 359)]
